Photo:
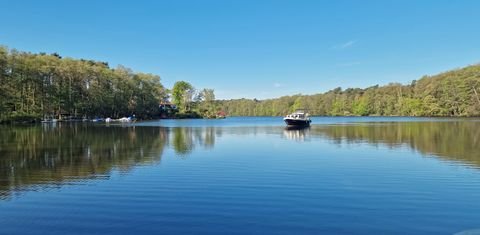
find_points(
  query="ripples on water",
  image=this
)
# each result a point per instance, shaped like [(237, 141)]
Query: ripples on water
[(242, 176)]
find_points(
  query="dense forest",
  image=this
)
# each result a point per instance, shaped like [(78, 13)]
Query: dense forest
[(454, 93), (36, 86), (42, 86)]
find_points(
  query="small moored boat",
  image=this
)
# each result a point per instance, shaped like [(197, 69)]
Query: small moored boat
[(298, 119), (53, 120)]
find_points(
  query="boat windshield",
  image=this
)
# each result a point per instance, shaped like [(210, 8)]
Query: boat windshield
[(297, 115)]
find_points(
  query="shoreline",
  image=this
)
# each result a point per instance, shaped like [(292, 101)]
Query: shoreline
[(38, 121)]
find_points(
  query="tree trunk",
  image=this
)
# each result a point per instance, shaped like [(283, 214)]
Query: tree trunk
[(476, 94)]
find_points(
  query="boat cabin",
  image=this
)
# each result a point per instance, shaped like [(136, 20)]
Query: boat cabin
[(297, 115)]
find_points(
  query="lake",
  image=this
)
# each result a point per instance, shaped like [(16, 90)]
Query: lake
[(345, 175)]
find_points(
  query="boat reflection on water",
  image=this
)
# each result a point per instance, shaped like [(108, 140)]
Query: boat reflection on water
[(297, 133)]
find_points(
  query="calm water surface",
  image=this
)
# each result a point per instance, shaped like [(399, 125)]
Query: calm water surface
[(242, 176)]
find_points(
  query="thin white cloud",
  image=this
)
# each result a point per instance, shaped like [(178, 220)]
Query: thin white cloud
[(277, 85), (345, 45)]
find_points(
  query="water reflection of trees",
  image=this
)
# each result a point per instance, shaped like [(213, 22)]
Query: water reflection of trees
[(32, 156), (37, 155), (459, 141), (185, 139)]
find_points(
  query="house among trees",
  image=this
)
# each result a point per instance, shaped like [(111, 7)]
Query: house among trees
[(167, 109), (221, 114)]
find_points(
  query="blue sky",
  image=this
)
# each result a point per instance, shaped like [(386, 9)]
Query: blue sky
[(255, 49)]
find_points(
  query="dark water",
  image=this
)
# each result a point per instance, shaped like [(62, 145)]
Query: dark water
[(242, 176)]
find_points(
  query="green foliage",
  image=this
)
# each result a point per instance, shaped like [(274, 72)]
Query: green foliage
[(182, 94), (42, 85), (360, 107), (454, 93), (194, 104), (206, 104)]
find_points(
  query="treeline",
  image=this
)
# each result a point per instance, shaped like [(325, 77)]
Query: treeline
[(454, 93), (35, 86)]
